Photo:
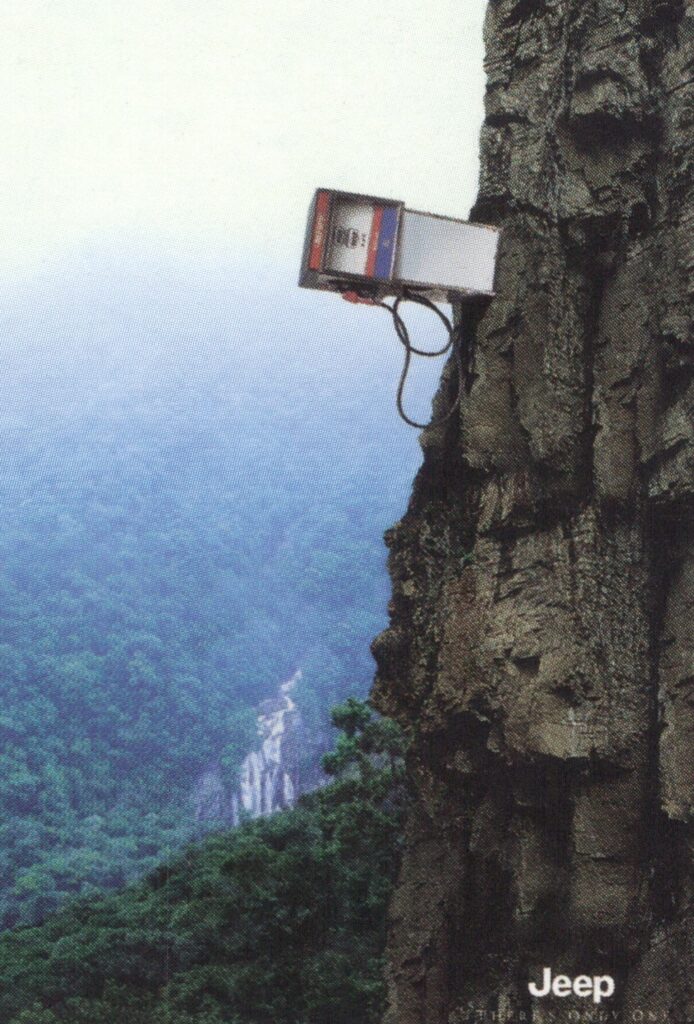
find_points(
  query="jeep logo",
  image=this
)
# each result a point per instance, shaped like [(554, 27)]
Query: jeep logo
[(599, 986)]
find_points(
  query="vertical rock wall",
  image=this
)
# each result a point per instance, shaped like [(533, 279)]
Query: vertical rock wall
[(540, 646)]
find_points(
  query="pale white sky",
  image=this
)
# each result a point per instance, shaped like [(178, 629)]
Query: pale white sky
[(205, 125)]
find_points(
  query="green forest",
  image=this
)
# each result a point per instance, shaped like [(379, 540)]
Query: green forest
[(188, 518), (281, 921)]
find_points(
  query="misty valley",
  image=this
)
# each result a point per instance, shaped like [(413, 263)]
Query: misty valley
[(192, 569)]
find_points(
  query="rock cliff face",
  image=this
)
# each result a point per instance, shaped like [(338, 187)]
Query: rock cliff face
[(540, 646)]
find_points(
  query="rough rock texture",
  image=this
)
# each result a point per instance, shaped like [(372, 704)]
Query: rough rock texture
[(540, 646)]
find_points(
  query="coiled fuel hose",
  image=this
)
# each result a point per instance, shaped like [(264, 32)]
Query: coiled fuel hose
[(455, 342)]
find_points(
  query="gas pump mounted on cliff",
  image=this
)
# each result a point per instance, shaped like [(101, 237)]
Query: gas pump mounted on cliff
[(368, 249)]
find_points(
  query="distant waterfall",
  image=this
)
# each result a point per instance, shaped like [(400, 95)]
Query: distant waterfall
[(269, 777)]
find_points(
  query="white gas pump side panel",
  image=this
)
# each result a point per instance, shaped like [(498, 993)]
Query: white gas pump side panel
[(449, 254)]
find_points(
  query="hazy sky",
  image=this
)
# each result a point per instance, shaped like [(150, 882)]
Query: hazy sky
[(194, 125)]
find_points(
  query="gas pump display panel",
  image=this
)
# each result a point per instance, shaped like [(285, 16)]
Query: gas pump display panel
[(350, 238)]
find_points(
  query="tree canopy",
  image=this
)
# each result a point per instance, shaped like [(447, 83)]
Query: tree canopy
[(281, 921)]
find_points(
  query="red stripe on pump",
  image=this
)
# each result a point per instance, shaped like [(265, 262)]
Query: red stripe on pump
[(373, 241), (320, 224)]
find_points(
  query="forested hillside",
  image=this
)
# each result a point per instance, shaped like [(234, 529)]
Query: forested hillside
[(279, 921), (192, 507)]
